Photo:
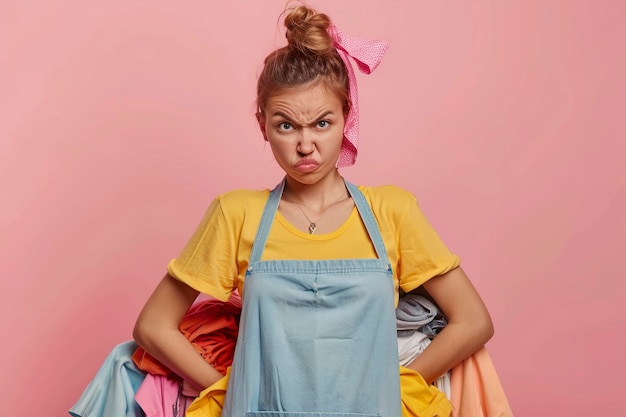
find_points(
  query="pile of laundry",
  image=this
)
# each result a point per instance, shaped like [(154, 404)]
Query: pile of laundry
[(132, 383), (418, 320)]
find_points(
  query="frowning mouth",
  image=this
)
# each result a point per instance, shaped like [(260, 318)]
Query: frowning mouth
[(306, 165)]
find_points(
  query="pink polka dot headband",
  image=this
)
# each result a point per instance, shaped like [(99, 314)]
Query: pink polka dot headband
[(367, 54)]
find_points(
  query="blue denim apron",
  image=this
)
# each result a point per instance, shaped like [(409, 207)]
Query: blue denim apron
[(316, 338)]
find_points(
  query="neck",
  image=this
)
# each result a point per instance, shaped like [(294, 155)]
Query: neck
[(319, 195)]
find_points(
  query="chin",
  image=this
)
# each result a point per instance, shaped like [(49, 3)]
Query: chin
[(304, 178), (307, 179), (310, 178)]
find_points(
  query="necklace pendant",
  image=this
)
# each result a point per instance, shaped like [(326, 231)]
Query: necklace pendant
[(312, 228)]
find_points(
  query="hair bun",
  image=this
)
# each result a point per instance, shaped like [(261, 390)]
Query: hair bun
[(307, 30)]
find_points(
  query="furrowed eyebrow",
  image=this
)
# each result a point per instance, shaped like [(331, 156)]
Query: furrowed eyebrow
[(317, 119)]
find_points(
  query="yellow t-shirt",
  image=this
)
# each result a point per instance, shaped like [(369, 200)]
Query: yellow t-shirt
[(215, 259)]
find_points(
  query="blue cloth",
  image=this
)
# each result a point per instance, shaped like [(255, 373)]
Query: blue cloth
[(316, 337), (111, 393)]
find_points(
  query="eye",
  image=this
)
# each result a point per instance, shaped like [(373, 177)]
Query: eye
[(323, 124), (285, 126)]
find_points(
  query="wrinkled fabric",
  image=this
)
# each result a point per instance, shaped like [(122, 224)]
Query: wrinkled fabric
[(112, 391), (418, 313), (476, 388), (211, 326), (414, 311), (367, 54)]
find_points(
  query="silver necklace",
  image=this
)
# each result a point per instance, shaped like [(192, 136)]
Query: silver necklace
[(312, 224)]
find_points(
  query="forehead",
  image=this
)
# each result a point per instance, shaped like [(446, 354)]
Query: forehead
[(308, 98)]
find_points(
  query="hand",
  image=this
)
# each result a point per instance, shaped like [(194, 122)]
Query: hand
[(190, 390)]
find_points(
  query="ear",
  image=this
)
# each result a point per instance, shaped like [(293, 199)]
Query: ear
[(261, 120)]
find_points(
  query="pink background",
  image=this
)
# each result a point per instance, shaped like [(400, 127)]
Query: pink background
[(120, 120)]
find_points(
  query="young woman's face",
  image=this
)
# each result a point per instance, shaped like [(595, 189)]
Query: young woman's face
[(304, 127)]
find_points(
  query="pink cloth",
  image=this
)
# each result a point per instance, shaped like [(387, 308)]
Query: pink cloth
[(367, 54), (476, 389), (158, 395)]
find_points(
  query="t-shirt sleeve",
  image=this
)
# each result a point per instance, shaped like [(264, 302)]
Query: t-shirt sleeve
[(208, 262), (422, 253)]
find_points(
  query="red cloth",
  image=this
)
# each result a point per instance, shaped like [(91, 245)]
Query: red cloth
[(211, 326)]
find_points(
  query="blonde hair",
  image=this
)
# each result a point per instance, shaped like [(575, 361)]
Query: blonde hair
[(308, 58)]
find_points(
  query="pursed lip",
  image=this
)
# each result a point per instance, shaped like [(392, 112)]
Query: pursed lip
[(306, 165)]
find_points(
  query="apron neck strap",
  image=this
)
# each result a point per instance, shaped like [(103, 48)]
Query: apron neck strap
[(263, 230), (367, 215)]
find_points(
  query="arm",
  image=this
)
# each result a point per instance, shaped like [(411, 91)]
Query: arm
[(469, 324), (156, 330)]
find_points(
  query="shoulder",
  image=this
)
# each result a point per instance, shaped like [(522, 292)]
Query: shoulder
[(385, 192), (242, 201), (389, 200), (244, 196), (230, 212)]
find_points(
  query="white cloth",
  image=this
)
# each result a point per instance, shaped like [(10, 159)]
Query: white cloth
[(410, 347)]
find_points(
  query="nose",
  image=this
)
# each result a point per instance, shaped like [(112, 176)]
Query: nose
[(306, 143)]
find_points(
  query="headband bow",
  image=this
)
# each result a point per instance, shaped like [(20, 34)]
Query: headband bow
[(367, 54)]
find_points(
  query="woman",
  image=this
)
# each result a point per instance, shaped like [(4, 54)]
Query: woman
[(318, 261)]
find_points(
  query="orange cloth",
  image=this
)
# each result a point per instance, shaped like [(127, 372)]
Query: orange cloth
[(211, 326), (476, 389)]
